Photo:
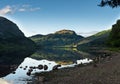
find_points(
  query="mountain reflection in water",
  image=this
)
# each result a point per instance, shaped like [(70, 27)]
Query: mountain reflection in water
[(19, 75), (60, 55)]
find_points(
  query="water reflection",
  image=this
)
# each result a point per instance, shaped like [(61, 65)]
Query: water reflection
[(7, 66), (60, 55), (6, 69), (22, 73), (9, 61), (21, 76)]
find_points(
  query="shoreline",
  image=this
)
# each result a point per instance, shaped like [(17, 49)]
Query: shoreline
[(106, 71)]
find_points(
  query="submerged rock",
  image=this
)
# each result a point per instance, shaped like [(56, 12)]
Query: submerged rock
[(45, 67), (28, 73), (40, 67), (56, 67)]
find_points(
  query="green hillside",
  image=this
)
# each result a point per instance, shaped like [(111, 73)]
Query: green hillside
[(58, 39), (99, 39), (13, 43), (114, 38)]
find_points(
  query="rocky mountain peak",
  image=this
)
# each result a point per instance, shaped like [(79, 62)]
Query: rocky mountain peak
[(64, 31)]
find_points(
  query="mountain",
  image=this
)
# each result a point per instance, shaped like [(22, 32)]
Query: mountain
[(114, 38), (109, 38), (9, 29), (58, 39), (13, 43), (99, 39)]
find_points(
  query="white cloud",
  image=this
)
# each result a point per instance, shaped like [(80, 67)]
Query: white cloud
[(22, 10), (6, 10), (27, 7), (15, 8), (34, 9)]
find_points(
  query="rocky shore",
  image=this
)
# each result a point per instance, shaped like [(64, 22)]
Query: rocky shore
[(104, 71)]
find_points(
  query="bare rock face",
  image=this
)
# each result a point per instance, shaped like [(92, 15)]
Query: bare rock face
[(64, 31)]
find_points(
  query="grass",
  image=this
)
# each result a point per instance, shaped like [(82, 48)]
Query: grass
[(64, 63), (114, 49)]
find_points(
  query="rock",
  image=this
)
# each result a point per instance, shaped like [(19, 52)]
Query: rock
[(34, 67), (13, 72), (28, 73), (56, 67), (24, 68), (21, 67), (41, 78), (74, 62), (40, 67), (31, 67), (45, 67), (64, 31), (30, 70)]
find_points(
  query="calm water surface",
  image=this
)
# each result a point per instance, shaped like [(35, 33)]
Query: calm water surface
[(20, 77)]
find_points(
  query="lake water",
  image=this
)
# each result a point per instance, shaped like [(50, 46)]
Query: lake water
[(20, 76)]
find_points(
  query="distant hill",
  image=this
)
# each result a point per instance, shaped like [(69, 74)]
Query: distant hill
[(13, 42), (99, 39), (109, 38), (57, 39)]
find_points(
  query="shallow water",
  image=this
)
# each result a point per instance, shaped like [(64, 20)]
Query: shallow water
[(20, 76)]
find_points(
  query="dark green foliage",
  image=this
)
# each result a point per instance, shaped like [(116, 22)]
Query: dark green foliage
[(16, 44), (114, 38), (60, 38), (8, 29), (97, 40), (111, 3), (13, 44), (110, 38)]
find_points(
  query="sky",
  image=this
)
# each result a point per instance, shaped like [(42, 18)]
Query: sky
[(48, 16)]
